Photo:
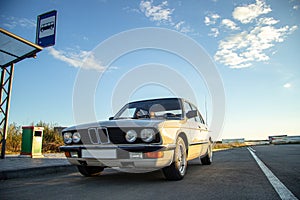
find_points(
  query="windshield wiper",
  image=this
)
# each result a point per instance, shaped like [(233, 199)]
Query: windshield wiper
[(123, 118)]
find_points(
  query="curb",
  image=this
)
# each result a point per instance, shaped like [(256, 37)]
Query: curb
[(31, 172)]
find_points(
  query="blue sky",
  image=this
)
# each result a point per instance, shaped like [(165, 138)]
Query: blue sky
[(253, 44)]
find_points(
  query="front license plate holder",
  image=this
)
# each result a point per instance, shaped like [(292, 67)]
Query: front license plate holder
[(102, 154)]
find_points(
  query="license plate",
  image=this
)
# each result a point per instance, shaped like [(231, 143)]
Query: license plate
[(93, 153)]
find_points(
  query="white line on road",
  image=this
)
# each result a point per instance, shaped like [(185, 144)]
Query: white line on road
[(279, 187), (251, 149)]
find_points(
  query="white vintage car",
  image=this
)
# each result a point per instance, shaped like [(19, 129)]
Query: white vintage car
[(144, 135)]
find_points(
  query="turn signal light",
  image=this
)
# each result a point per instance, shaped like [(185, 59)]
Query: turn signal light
[(67, 154), (155, 154)]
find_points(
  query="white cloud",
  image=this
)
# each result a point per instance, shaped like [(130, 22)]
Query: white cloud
[(129, 9), (158, 13), (162, 14), (293, 28), (215, 16), (287, 85), (229, 24), (79, 58), (267, 21), (214, 32), (252, 43), (248, 13), (178, 26), (186, 29), (211, 19), (206, 21), (244, 48), (12, 22), (182, 27), (296, 7)]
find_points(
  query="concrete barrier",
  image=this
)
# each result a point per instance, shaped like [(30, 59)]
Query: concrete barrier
[(284, 139)]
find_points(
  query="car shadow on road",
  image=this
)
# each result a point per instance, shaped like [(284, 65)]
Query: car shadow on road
[(113, 175)]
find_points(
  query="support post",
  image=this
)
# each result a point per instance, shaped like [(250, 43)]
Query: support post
[(5, 93)]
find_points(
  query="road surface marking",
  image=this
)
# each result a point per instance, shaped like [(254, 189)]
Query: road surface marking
[(252, 149), (279, 187)]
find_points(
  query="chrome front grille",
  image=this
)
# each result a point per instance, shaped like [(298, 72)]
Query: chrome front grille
[(98, 135)]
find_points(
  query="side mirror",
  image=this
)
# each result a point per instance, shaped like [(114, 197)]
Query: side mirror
[(111, 118), (191, 114)]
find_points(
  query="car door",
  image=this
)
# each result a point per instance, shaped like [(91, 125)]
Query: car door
[(188, 122), (192, 133), (200, 132), (203, 136)]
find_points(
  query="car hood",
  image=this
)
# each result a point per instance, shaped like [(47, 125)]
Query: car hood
[(117, 123)]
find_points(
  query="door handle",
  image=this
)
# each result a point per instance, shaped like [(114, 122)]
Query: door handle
[(202, 128)]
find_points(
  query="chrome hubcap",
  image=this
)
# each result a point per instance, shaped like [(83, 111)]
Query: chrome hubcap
[(210, 153), (181, 160)]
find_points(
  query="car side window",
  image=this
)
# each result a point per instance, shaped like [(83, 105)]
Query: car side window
[(197, 118), (201, 118), (140, 113), (129, 113), (187, 108)]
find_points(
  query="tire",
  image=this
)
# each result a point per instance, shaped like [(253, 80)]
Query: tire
[(207, 159), (90, 170), (177, 169)]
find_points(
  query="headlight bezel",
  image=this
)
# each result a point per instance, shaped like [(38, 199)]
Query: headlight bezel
[(76, 137), (147, 135), (131, 136), (68, 137)]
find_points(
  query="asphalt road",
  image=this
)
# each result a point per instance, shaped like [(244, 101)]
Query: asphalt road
[(234, 174)]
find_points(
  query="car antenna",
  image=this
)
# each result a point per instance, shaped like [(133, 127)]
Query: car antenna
[(205, 111)]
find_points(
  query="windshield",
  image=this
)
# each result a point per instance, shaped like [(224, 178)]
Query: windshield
[(151, 109)]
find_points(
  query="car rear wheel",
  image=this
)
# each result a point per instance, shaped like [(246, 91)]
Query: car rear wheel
[(207, 159), (90, 170), (177, 169)]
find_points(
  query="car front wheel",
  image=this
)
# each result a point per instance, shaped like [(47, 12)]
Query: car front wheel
[(177, 169), (90, 170)]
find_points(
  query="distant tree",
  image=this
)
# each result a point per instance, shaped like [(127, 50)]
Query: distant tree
[(14, 138), (52, 140)]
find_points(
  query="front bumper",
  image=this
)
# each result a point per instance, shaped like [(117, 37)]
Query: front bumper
[(122, 156)]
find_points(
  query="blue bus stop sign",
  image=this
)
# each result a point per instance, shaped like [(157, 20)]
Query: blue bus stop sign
[(45, 31)]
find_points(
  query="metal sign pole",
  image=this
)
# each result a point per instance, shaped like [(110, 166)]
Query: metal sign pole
[(6, 87)]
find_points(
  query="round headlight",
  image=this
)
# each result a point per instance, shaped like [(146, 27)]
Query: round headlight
[(147, 135), (131, 136), (68, 138), (76, 137)]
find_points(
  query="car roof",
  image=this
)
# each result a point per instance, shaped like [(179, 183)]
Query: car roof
[(167, 98)]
